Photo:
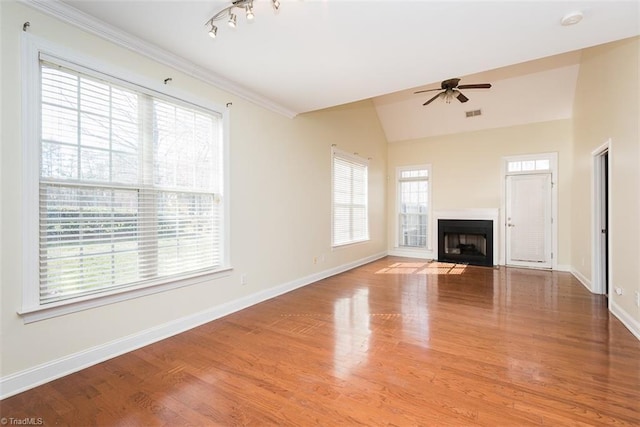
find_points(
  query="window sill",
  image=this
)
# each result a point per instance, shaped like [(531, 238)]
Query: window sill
[(345, 245), (61, 308)]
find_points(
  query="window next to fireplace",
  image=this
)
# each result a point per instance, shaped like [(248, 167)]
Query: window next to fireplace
[(465, 241)]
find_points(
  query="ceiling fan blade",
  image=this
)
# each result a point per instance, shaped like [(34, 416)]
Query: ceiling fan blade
[(461, 97), (426, 90), (432, 99), (476, 86)]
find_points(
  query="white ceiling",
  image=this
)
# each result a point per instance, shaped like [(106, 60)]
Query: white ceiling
[(317, 54)]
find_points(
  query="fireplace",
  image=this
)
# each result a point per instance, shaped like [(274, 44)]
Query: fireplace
[(466, 241)]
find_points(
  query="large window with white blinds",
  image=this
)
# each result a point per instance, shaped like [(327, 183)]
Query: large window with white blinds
[(131, 190), (350, 198)]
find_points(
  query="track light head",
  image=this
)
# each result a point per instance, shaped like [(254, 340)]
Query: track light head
[(233, 20), (276, 4), (249, 10), (213, 31)]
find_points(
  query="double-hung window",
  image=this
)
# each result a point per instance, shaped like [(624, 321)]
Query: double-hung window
[(130, 187), (413, 206), (350, 198)]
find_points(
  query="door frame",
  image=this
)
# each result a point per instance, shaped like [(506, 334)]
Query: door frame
[(598, 281), (553, 169)]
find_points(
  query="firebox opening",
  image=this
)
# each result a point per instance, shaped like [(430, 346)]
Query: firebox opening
[(465, 244), (465, 241)]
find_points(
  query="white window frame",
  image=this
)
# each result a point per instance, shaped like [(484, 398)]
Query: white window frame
[(32, 310), (429, 240), (335, 152)]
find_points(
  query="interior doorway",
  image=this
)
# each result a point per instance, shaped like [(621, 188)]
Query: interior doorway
[(601, 202)]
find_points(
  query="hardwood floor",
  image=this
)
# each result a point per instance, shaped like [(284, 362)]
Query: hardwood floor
[(395, 342)]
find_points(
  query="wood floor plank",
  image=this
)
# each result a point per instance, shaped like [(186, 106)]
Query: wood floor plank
[(395, 342)]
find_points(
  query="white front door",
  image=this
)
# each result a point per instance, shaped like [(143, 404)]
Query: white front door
[(529, 220)]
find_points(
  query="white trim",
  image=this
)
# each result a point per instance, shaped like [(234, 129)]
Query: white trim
[(24, 380), (629, 322), (596, 217), (473, 214), (412, 253), (31, 132), (581, 278), (48, 311), (555, 177), (85, 22)]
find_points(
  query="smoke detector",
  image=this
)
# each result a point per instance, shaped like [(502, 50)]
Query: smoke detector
[(572, 18)]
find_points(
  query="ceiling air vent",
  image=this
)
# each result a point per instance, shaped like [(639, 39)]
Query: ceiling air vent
[(473, 113)]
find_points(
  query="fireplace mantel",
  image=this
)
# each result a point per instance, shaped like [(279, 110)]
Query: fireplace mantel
[(486, 214)]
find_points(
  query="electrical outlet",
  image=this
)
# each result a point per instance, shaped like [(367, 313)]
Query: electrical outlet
[(637, 298), (243, 279), (315, 259)]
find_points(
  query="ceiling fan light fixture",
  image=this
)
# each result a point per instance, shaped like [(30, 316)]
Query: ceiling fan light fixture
[(449, 95), (450, 90)]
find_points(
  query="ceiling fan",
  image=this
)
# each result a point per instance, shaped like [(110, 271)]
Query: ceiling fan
[(450, 90)]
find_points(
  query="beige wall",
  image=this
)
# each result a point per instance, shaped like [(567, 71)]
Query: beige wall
[(466, 169), (606, 107), (280, 202)]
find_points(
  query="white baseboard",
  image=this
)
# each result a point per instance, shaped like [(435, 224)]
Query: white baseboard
[(585, 282), (631, 324), (24, 380), (411, 253)]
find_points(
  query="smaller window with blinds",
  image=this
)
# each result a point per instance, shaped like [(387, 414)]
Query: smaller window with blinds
[(350, 213), (413, 206), (130, 186)]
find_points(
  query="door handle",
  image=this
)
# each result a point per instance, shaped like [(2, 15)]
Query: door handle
[(510, 225)]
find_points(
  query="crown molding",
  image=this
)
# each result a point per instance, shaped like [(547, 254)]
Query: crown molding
[(73, 16)]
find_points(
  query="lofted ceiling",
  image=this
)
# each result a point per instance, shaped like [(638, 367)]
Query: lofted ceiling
[(317, 54), (533, 91)]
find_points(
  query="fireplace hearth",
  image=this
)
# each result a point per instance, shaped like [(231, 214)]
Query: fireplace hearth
[(465, 241)]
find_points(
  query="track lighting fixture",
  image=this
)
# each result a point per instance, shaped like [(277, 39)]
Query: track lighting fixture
[(232, 19)]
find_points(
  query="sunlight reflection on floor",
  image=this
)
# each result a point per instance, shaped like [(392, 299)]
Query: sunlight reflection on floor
[(423, 268)]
